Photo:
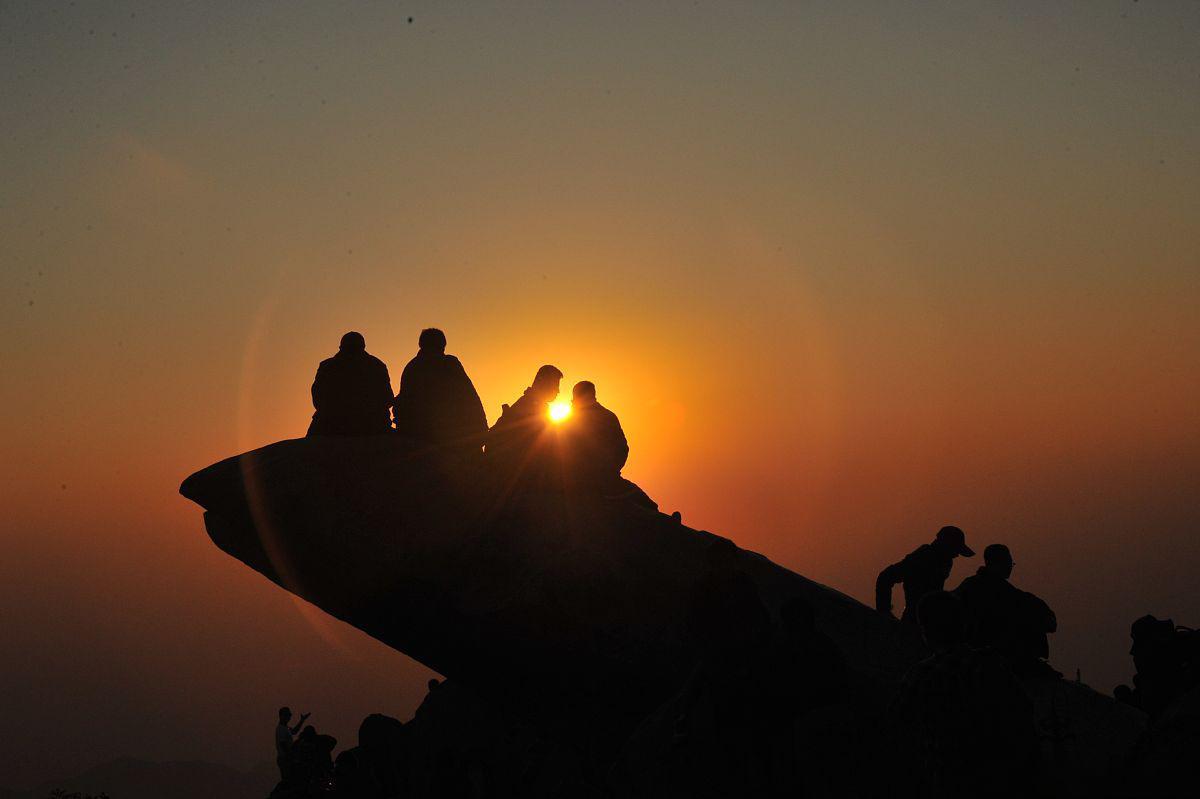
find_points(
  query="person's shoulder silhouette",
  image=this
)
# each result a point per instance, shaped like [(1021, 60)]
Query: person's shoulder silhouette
[(437, 403), (1013, 622), (352, 392), (592, 446), (595, 433), (517, 443), (530, 411)]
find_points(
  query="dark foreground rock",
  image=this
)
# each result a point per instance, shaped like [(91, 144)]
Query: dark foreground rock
[(132, 778), (561, 612)]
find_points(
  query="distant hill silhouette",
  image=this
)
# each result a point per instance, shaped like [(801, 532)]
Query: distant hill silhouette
[(131, 778)]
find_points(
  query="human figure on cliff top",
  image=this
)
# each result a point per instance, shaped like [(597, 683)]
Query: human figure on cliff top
[(594, 445), (436, 403), (518, 434), (922, 571), (283, 740), (1013, 622), (352, 392)]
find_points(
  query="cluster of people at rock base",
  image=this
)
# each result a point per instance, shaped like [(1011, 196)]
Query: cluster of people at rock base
[(304, 757), (438, 407)]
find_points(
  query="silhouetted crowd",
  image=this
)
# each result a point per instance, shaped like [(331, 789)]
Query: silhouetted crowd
[(437, 408), (755, 714)]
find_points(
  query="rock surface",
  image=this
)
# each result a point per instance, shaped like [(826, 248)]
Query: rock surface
[(567, 611)]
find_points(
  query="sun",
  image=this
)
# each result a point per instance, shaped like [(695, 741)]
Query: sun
[(559, 411)]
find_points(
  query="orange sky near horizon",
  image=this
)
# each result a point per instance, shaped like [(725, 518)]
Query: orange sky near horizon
[(846, 272)]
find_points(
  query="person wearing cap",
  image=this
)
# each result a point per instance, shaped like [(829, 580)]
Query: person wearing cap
[(1006, 619), (352, 392), (922, 571)]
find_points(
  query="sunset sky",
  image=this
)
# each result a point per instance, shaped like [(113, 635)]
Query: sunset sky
[(847, 271)]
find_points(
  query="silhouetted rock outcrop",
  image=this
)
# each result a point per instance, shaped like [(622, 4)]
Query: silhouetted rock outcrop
[(566, 612)]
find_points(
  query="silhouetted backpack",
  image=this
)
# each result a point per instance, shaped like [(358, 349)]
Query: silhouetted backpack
[(1187, 645)]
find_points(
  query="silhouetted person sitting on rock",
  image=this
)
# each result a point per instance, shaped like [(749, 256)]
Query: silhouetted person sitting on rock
[(594, 449), (922, 571), (517, 440), (437, 404), (352, 392), (972, 723), (1013, 622), (283, 741), (595, 444)]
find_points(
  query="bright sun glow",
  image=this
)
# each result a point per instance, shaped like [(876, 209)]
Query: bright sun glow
[(559, 411)]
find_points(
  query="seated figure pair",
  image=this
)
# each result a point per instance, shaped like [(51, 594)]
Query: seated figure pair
[(437, 406), (588, 450)]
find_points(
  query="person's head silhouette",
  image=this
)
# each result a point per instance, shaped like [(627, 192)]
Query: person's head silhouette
[(943, 620), (953, 542), (285, 715), (353, 342), (432, 340), (583, 393), (546, 382), (998, 560)]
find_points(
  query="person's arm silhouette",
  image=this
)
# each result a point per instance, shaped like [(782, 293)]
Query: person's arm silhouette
[(883, 586)]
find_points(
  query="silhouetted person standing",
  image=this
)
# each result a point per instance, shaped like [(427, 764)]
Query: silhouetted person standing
[(352, 392), (437, 404), (1013, 622), (969, 723), (922, 571), (517, 437), (283, 741)]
